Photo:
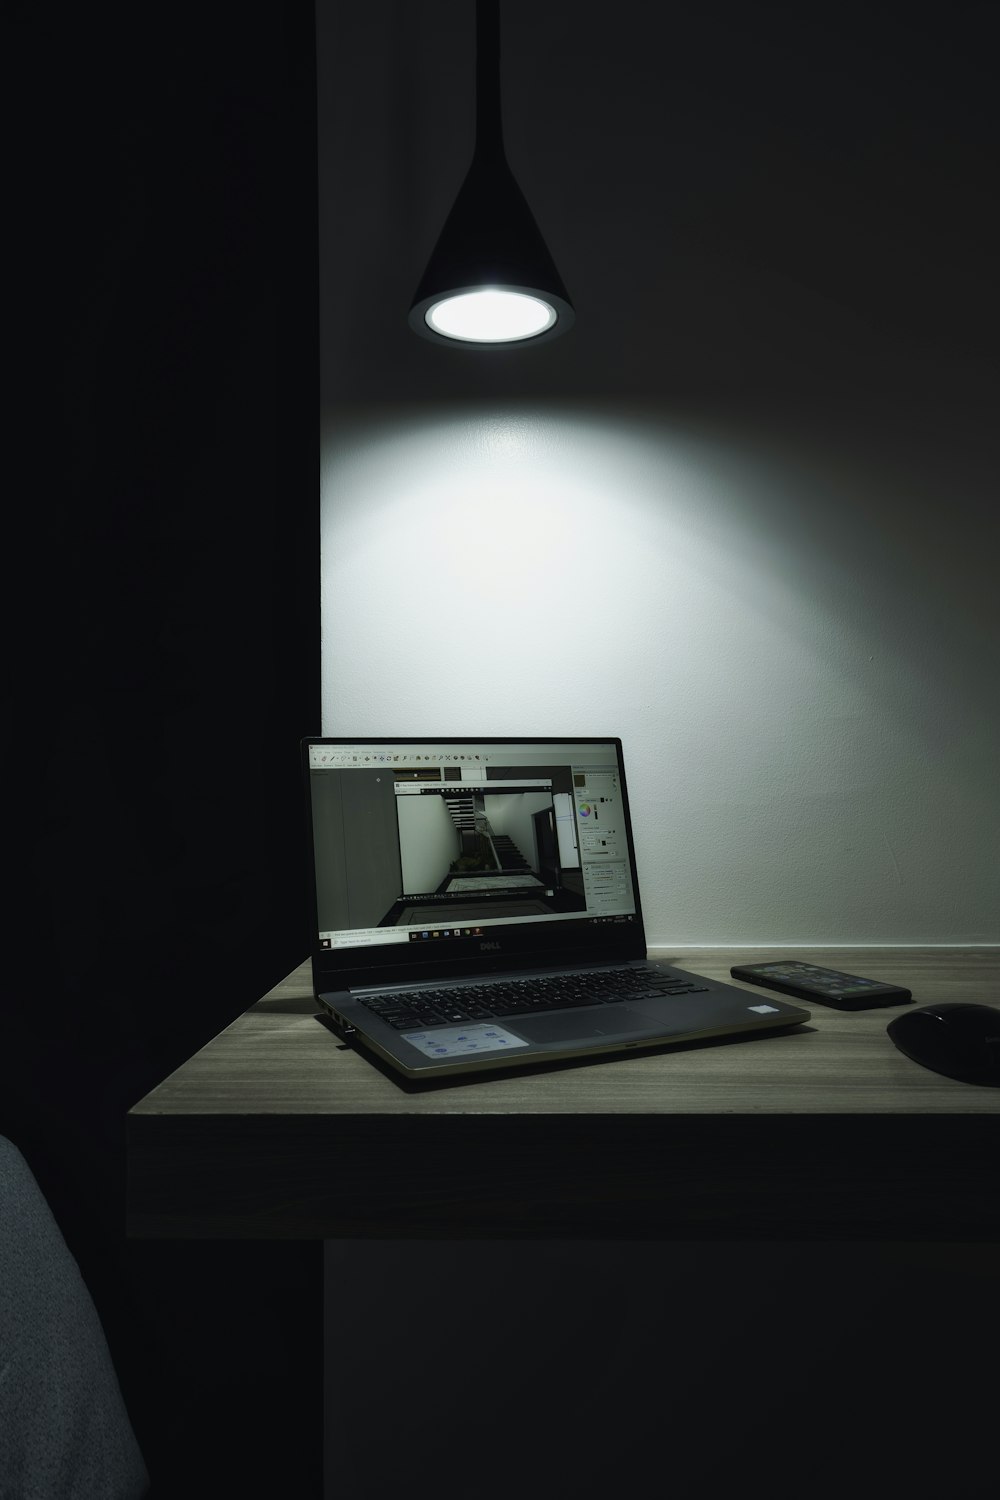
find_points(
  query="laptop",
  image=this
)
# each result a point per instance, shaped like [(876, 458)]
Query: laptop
[(476, 906)]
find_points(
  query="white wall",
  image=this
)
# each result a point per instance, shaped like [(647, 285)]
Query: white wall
[(795, 633), (745, 513)]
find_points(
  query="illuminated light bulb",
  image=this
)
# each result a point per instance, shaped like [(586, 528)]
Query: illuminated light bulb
[(490, 316)]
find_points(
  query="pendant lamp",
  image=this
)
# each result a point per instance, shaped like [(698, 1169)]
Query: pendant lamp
[(490, 282)]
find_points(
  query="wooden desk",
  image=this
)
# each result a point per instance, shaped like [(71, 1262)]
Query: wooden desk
[(277, 1130)]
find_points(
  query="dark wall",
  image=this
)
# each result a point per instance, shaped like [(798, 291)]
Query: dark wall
[(163, 658)]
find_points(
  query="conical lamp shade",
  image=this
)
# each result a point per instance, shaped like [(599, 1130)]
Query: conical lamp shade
[(490, 280)]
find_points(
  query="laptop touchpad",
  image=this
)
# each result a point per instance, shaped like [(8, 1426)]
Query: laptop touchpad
[(577, 1026)]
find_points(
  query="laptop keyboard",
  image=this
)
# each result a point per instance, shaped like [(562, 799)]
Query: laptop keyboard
[(511, 997)]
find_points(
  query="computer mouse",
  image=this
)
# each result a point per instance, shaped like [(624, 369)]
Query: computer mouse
[(960, 1040)]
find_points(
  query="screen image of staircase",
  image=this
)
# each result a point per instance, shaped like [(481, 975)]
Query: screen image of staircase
[(478, 838), (463, 814), (509, 856)]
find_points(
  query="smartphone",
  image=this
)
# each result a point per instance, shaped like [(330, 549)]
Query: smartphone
[(828, 986)]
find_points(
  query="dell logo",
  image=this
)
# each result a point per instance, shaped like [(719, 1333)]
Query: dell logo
[(489, 947)]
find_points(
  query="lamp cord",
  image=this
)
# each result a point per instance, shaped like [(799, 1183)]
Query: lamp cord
[(489, 122)]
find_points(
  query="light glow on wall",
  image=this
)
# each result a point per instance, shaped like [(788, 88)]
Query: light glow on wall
[(782, 693)]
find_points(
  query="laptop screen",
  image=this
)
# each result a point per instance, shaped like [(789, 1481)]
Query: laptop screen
[(467, 855)]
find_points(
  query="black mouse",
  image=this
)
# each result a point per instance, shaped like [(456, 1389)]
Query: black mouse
[(960, 1040)]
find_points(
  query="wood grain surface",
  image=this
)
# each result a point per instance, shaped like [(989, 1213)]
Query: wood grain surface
[(280, 1057), (276, 1128)]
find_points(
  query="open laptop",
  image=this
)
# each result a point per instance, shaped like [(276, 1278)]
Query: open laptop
[(476, 907)]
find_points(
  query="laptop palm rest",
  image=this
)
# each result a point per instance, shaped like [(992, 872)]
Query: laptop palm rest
[(569, 1026)]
